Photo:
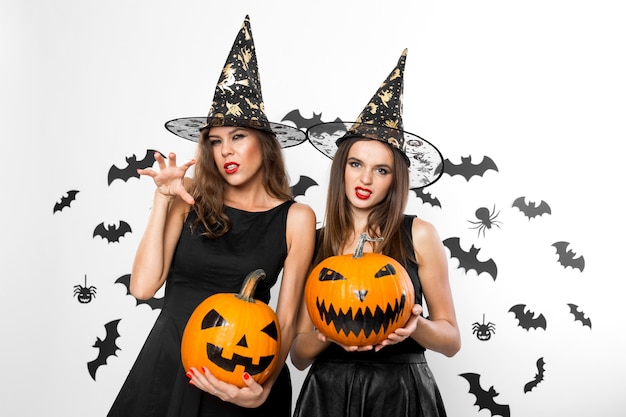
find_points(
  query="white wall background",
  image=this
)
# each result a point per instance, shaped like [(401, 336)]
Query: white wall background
[(538, 86)]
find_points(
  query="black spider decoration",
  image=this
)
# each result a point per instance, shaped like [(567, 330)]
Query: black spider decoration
[(486, 219), (483, 331), (85, 294)]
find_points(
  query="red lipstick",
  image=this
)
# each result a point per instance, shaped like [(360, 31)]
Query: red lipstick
[(362, 193), (231, 167)]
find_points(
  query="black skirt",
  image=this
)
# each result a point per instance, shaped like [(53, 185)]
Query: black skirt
[(393, 386)]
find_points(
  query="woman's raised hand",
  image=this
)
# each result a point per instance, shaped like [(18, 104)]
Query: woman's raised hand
[(170, 177)]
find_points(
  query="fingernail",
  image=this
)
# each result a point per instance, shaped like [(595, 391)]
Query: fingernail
[(205, 369), (191, 371), (246, 376), (189, 375)]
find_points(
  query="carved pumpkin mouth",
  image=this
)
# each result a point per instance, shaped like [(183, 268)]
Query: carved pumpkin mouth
[(362, 320), (214, 353)]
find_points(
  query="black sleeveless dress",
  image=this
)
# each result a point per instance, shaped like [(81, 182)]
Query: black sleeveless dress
[(157, 384), (394, 382)]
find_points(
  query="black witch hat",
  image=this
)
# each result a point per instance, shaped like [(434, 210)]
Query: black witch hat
[(238, 100), (381, 119)]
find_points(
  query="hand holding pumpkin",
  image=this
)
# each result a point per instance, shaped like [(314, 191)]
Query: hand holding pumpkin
[(402, 333), (251, 395)]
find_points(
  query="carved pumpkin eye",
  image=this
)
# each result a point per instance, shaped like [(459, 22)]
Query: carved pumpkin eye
[(271, 330), (213, 319), (385, 271), (327, 274)]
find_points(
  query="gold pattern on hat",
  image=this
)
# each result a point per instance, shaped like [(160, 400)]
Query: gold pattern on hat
[(237, 99)]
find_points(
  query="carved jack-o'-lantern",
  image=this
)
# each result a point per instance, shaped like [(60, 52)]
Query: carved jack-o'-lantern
[(231, 334), (359, 299)]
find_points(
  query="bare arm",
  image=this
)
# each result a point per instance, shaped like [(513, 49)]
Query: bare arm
[(156, 248), (301, 227), (306, 344), (440, 332)]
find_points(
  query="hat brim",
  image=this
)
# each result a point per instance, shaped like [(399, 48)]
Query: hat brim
[(189, 128), (425, 160)]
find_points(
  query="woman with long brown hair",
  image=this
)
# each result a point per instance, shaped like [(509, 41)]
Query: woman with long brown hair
[(375, 163), (205, 234)]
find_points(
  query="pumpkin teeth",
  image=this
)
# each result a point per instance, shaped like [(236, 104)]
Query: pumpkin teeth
[(214, 353), (361, 321)]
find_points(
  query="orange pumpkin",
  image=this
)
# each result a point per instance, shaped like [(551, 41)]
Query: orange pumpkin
[(231, 334), (359, 299)]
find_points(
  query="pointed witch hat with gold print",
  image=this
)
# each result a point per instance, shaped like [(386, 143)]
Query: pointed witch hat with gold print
[(381, 120), (238, 100)]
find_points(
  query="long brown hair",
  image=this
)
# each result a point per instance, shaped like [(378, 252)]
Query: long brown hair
[(208, 185), (385, 220)]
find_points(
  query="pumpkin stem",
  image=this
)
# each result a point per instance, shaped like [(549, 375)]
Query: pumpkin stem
[(249, 285), (358, 252)]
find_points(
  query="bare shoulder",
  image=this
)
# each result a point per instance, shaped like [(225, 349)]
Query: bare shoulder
[(301, 213), (301, 222), (423, 230)]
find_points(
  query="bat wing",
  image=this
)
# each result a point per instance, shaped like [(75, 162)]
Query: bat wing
[(107, 347), (65, 201), (331, 128), (121, 173), (489, 266), (485, 165), (426, 198), (304, 183), (484, 399), (101, 231), (579, 315), (538, 376), (123, 228), (154, 303), (147, 161), (542, 208), (125, 281)]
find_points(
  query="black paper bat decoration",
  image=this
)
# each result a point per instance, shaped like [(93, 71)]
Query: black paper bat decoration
[(154, 303), (538, 376), (484, 399), (65, 201), (567, 257), (106, 347), (531, 210), (468, 260), (426, 198), (527, 319), (112, 233), (303, 123), (133, 164), (579, 315), (304, 183), (466, 169)]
